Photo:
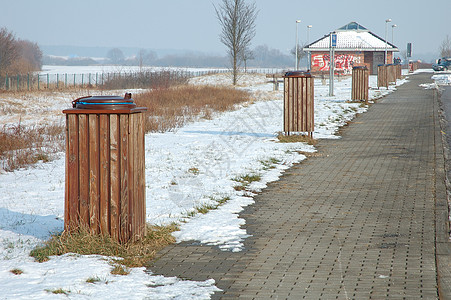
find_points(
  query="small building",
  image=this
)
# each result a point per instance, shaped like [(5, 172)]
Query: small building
[(356, 46)]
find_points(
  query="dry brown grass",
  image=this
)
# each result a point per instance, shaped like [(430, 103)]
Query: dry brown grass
[(171, 108), (133, 254), (21, 146), (296, 138)]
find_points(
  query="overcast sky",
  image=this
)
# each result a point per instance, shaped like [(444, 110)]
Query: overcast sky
[(192, 24)]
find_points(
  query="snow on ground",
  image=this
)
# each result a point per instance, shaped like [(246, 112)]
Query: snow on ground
[(196, 165), (440, 78)]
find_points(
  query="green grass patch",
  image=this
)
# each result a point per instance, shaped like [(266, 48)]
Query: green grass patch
[(58, 291), (223, 200), (96, 279), (270, 163), (245, 180), (194, 171), (204, 208), (133, 254)]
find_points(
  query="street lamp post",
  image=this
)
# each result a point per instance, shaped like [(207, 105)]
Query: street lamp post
[(296, 63), (386, 22), (393, 40), (308, 54), (392, 37)]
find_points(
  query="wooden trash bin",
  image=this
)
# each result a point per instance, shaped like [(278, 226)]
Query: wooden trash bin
[(382, 79), (105, 179), (398, 71), (360, 83), (391, 73), (298, 102)]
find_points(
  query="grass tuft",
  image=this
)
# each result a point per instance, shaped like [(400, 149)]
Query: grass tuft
[(205, 208), (245, 180), (296, 138), (120, 270), (133, 254), (93, 279), (16, 271), (194, 171), (270, 163), (58, 291)]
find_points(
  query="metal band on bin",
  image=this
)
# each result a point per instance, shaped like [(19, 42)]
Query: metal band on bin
[(104, 102), (298, 74)]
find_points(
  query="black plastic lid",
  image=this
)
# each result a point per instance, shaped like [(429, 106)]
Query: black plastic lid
[(297, 74), (104, 102)]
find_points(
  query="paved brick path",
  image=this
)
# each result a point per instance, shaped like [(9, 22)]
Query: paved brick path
[(355, 221)]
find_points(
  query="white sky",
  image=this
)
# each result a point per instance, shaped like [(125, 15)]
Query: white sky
[(192, 24)]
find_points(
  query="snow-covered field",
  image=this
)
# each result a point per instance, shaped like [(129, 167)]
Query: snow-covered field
[(185, 169)]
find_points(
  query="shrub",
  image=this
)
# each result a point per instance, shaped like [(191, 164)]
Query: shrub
[(21, 146), (169, 109)]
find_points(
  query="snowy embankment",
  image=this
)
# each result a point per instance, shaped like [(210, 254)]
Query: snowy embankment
[(195, 166)]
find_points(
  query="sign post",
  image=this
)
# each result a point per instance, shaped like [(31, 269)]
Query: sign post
[(332, 45)]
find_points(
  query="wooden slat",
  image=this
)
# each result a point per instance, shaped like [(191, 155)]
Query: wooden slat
[(291, 91), (311, 99), (133, 186), (94, 166), (367, 85), (285, 105), (124, 177), (104, 173), (114, 176), (66, 181), (71, 203), (305, 102), (141, 175), (83, 169)]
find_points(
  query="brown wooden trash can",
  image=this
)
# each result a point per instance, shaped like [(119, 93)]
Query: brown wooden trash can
[(382, 77), (398, 72), (360, 83), (391, 73), (298, 102), (105, 178)]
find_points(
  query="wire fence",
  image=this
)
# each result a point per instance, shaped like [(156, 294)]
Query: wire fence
[(106, 80)]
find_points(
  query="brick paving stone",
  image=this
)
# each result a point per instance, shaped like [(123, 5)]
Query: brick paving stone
[(356, 221)]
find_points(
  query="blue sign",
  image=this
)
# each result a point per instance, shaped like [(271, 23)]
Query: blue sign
[(334, 40)]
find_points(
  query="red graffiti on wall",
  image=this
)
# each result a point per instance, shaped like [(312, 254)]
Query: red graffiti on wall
[(343, 62)]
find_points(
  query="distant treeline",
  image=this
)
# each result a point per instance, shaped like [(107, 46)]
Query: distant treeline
[(262, 56), (18, 56)]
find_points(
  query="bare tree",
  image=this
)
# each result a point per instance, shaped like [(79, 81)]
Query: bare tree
[(9, 50), (445, 47), (237, 20), (31, 52)]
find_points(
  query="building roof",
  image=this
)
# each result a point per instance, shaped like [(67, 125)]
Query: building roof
[(352, 37)]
